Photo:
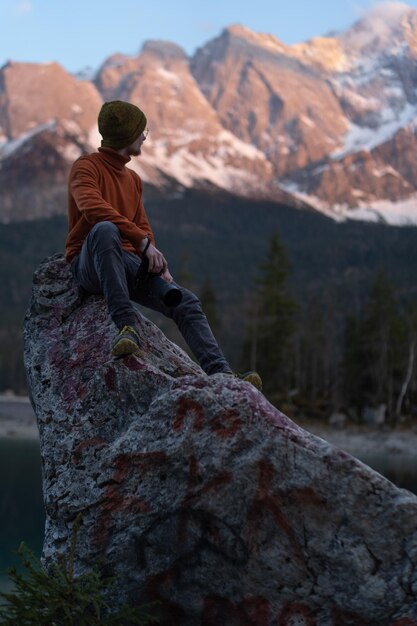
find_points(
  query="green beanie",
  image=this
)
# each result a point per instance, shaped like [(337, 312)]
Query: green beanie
[(120, 124)]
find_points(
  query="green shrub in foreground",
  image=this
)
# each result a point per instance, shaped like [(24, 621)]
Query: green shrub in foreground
[(58, 598)]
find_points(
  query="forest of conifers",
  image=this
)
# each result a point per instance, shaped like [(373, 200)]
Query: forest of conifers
[(325, 311)]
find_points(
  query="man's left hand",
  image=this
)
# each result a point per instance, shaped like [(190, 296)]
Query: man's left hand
[(167, 276)]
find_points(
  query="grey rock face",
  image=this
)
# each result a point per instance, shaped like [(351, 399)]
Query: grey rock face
[(197, 491)]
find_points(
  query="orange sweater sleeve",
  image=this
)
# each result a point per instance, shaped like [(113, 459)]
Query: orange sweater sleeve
[(84, 187), (141, 219)]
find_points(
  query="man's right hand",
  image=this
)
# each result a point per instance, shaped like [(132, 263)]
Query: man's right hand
[(157, 261)]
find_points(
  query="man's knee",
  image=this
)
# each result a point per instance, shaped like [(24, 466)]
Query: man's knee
[(189, 302), (105, 231)]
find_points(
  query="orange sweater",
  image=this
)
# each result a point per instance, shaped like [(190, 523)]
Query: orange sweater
[(101, 189)]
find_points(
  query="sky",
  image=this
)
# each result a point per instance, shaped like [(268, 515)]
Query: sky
[(83, 33)]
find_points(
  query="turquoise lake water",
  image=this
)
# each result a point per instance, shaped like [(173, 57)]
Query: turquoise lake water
[(21, 505)]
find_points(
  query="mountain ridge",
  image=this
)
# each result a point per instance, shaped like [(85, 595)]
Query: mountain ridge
[(329, 123)]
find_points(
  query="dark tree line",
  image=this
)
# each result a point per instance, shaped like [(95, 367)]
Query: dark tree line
[(379, 352), (313, 365), (314, 357)]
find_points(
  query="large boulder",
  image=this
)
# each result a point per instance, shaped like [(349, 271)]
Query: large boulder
[(198, 492)]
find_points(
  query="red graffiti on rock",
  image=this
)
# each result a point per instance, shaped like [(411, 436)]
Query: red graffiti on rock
[(188, 408), (224, 424), (266, 502), (94, 442), (115, 501), (195, 488)]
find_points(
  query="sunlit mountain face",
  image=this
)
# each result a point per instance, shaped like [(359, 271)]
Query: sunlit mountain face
[(329, 123)]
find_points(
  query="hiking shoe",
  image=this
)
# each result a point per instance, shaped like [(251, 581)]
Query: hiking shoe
[(251, 377), (127, 342)]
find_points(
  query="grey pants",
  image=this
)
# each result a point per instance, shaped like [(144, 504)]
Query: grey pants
[(103, 267)]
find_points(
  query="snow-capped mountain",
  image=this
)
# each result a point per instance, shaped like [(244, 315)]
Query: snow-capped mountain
[(331, 122), (187, 140), (371, 172)]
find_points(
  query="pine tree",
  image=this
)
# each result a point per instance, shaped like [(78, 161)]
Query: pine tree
[(375, 350), (354, 365), (58, 596), (209, 303), (382, 328), (408, 386), (268, 345), (184, 276), (315, 373)]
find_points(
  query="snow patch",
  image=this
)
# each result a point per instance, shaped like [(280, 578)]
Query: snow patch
[(189, 168), (362, 214), (70, 152), (365, 138), (334, 212), (9, 148), (307, 121), (385, 171), (71, 127), (361, 102), (238, 147), (387, 72), (395, 91), (401, 213), (320, 169), (170, 76)]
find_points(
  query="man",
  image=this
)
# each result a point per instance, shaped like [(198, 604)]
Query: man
[(109, 234)]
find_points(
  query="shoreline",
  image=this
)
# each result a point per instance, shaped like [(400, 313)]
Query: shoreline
[(18, 421), (10, 430), (362, 441)]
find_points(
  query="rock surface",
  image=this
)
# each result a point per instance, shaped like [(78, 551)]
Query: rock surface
[(197, 491)]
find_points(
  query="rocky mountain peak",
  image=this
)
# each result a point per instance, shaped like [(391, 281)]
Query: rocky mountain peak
[(31, 94), (381, 30), (114, 61), (238, 34), (409, 23), (330, 121), (164, 50), (388, 28), (324, 52)]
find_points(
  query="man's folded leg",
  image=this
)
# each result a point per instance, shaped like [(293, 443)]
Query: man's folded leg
[(100, 269)]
